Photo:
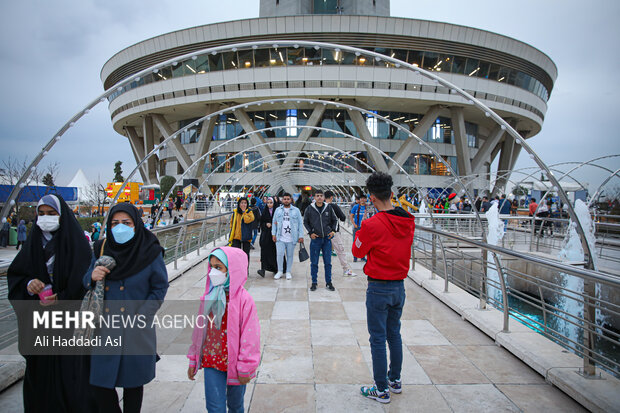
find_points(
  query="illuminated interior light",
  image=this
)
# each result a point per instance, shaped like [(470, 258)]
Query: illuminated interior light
[(281, 58), (473, 72), (233, 63), (362, 60), (272, 61), (259, 117), (501, 78), (248, 64), (189, 67)]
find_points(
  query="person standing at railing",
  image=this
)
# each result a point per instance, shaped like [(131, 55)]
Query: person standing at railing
[(386, 240), (532, 208), (241, 227), (504, 209)]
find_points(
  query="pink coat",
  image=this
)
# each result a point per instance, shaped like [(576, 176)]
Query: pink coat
[(243, 335)]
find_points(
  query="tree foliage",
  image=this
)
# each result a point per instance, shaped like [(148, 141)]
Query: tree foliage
[(165, 183), (48, 180), (118, 172)]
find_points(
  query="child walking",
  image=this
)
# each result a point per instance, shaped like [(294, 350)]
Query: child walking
[(228, 347)]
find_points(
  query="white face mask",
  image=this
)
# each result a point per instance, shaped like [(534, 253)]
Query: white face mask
[(48, 223), (217, 277)]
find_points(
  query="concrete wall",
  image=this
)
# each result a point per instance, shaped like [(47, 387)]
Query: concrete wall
[(273, 8)]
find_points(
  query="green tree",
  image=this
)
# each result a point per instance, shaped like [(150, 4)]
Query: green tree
[(165, 183), (519, 190), (48, 180), (118, 172)]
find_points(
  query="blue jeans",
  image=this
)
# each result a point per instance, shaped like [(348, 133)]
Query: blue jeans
[(384, 306), (316, 246), (289, 249), (254, 235), (219, 394)]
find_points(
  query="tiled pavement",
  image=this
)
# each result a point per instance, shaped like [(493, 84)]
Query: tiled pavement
[(315, 355)]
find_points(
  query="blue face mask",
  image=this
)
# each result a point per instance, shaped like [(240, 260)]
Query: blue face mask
[(122, 233)]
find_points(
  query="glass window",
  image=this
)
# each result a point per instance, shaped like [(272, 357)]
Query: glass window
[(215, 62), (331, 56), (189, 66), (363, 60), (348, 58), (371, 123), (277, 57), (512, 77), (444, 64), (484, 70), (177, 70), (295, 56), (494, 72), (202, 64), (472, 67), (312, 56), (246, 59), (503, 74), (399, 54), (458, 65), (415, 58), (230, 60), (325, 6), (430, 60), (291, 121), (261, 57)]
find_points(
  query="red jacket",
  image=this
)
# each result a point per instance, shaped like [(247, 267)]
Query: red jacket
[(385, 239)]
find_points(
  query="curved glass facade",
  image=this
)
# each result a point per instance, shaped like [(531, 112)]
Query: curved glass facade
[(315, 56)]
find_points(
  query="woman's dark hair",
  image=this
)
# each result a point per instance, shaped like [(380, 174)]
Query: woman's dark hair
[(380, 184), (329, 194), (239, 204), (253, 201)]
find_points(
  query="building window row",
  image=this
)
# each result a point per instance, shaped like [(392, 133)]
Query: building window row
[(326, 161), (314, 56), (355, 84), (227, 126)]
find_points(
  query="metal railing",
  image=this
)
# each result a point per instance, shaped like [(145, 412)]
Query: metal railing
[(576, 308), (180, 239)]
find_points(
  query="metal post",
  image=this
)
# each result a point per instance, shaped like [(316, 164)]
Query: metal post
[(176, 248), (589, 314), (483, 281), (532, 234), (433, 256)]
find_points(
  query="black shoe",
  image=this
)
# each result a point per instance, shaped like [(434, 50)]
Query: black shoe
[(330, 287), (313, 287), (252, 247), (261, 273)]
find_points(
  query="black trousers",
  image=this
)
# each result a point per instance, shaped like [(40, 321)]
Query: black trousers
[(244, 245), (107, 399)]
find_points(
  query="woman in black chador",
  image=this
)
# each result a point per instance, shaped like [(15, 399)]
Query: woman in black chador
[(267, 246), (55, 256)]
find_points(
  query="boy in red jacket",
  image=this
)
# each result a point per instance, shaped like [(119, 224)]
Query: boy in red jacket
[(385, 239)]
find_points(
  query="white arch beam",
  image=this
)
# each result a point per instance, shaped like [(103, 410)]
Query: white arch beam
[(206, 134), (149, 144), (137, 148), (175, 144), (460, 139)]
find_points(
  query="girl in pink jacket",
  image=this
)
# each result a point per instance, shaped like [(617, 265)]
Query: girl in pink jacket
[(226, 339)]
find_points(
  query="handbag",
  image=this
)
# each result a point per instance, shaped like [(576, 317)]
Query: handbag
[(93, 302), (303, 253)]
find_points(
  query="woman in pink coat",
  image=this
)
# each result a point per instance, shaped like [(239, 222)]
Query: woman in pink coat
[(226, 338)]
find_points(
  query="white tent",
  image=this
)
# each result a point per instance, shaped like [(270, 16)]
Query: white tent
[(81, 183)]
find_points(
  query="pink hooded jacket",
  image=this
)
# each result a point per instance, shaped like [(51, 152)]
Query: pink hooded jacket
[(243, 335)]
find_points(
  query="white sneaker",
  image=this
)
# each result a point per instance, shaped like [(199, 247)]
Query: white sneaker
[(278, 275), (350, 273), (288, 276)]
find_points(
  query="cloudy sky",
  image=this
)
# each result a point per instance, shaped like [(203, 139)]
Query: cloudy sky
[(51, 54)]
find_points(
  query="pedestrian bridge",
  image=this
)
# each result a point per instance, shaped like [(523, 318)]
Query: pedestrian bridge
[(316, 354)]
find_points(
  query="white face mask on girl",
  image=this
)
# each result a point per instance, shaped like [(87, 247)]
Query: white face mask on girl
[(217, 277), (48, 223)]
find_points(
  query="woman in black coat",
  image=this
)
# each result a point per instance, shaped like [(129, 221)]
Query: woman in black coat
[(48, 271), (268, 260)]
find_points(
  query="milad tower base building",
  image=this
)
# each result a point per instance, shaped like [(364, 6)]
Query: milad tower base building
[(291, 95)]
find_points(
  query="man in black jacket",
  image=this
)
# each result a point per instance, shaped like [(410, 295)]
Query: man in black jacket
[(337, 240), (320, 222)]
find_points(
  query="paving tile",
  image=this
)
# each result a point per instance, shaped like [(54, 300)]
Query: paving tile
[(360, 329), (327, 310), (500, 366), (340, 365), (461, 332), (446, 365), (172, 368), (286, 365), (166, 396), (264, 309), (323, 294), (332, 333), (421, 333), (283, 398), (356, 311), (289, 333), (540, 397), (290, 310), (292, 294), (412, 372), (352, 294), (475, 398), (418, 399), (263, 293), (331, 398)]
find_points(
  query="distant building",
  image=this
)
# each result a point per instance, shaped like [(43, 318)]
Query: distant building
[(511, 77)]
